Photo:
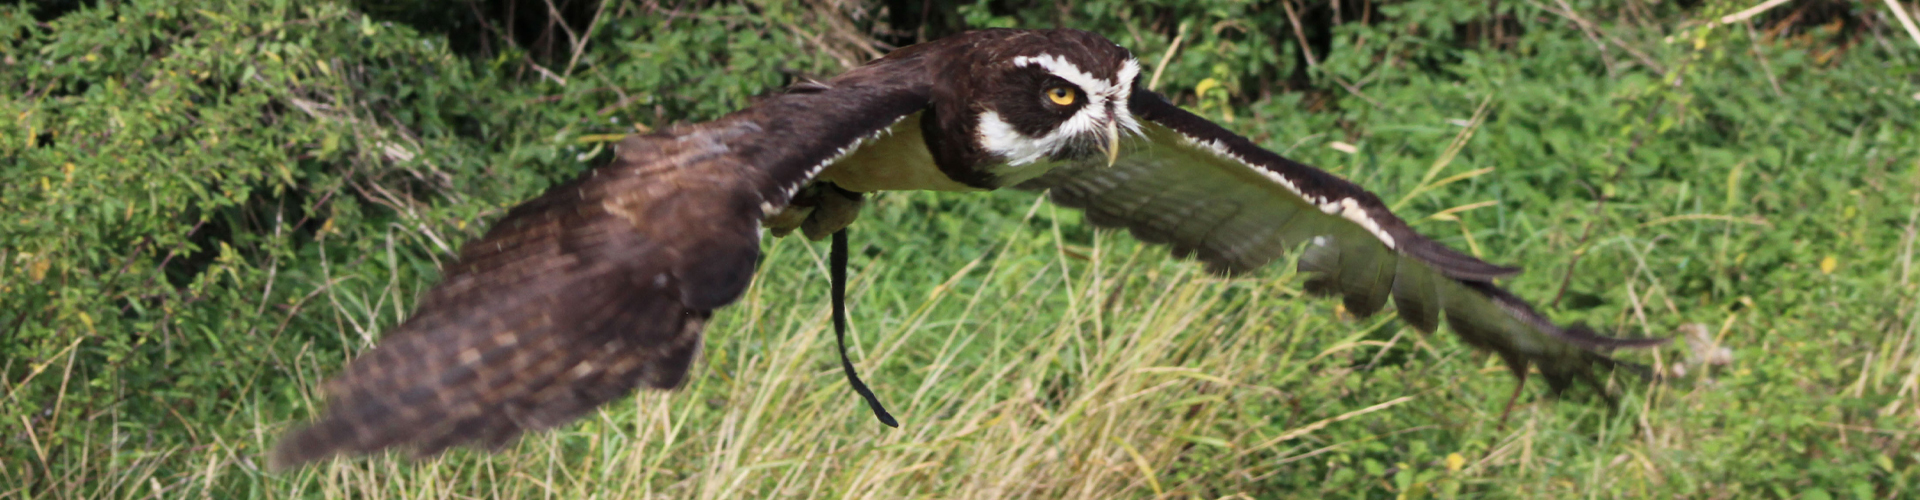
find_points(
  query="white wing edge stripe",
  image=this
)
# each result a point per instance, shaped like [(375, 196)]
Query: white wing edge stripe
[(1348, 208), (786, 193)]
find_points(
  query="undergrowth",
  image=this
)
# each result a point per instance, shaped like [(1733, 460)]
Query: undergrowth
[(205, 209)]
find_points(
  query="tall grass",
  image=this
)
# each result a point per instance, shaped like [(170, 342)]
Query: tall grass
[(1023, 366), (185, 256)]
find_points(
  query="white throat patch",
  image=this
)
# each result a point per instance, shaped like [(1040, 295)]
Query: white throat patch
[(999, 137)]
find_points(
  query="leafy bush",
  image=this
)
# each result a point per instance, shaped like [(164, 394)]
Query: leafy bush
[(205, 208)]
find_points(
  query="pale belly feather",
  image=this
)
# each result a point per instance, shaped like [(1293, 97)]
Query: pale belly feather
[(898, 161)]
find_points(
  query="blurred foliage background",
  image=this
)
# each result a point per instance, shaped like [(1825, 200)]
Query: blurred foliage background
[(206, 207)]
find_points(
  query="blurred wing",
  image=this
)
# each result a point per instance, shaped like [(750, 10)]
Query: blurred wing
[(1216, 196), (601, 285)]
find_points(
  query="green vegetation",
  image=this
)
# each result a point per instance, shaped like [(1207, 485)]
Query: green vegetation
[(205, 208)]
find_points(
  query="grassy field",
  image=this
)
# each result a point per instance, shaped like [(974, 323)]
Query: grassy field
[(206, 208)]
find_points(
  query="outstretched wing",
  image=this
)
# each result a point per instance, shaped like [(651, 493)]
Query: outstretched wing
[(603, 284), (1217, 196)]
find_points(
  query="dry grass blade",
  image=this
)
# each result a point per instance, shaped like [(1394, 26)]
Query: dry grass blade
[(308, 187), (1906, 20), (1750, 12), (1323, 423), (1458, 143)]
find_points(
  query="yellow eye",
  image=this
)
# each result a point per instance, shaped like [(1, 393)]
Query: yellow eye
[(1061, 95)]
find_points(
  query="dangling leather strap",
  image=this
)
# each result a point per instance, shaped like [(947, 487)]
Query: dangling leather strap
[(837, 275)]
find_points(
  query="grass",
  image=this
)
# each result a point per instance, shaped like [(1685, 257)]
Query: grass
[(1752, 189)]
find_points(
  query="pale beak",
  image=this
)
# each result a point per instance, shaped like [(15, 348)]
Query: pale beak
[(1113, 142)]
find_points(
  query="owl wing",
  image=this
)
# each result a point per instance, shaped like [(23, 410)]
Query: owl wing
[(602, 284), (1216, 196)]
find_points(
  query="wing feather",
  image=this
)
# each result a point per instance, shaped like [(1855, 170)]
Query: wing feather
[(603, 284), (1208, 193), (553, 313), (1412, 281)]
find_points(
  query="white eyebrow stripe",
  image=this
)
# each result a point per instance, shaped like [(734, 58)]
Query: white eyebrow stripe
[(1099, 91), (1060, 67)]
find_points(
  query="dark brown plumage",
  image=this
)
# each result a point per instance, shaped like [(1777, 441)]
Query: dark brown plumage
[(596, 287), (602, 285)]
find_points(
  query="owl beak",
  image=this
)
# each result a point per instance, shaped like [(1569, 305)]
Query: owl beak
[(1113, 142)]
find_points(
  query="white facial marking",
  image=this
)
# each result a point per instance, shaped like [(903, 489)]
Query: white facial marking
[(1000, 138)]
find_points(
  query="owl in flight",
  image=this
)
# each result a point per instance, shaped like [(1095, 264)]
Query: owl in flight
[(603, 284)]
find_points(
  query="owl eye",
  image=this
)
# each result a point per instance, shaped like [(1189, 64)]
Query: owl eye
[(1061, 95)]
